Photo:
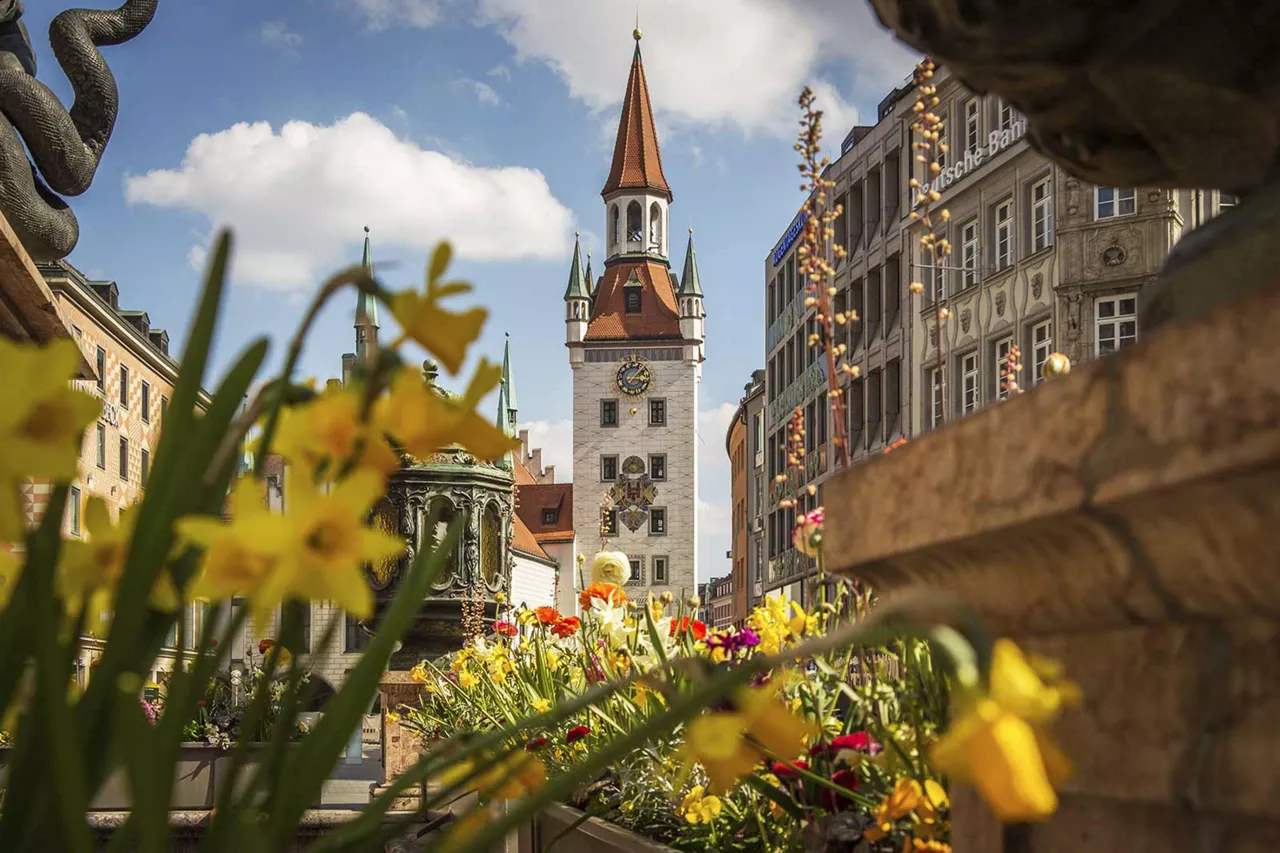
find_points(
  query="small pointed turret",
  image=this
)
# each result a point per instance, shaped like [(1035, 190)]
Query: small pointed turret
[(509, 389), (577, 287), (689, 284), (366, 309), (591, 281)]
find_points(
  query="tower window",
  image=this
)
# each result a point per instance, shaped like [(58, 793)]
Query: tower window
[(635, 225), (655, 227), (657, 522), (635, 569), (608, 468), (633, 300), (608, 413), (659, 570), (614, 227), (550, 515), (657, 413), (658, 466)]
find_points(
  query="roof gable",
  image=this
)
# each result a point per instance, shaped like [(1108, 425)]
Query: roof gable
[(658, 318)]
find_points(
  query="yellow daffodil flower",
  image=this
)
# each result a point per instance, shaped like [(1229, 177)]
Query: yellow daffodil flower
[(997, 741), (729, 744), (698, 808), (541, 705), (327, 430), (932, 802), (517, 775), (89, 571), (321, 551), (42, 422), (419, 673), (423, 420), (444, 334), (233, 563), (466, 680)]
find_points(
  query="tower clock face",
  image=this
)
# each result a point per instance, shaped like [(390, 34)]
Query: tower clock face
[(633, 377)]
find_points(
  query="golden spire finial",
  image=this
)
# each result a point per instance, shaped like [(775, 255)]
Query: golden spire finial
[(636, 33)]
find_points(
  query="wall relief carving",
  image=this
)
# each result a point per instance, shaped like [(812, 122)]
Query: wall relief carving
[(965, 319), (1037, 285), (1110, 249), (1001, 299)]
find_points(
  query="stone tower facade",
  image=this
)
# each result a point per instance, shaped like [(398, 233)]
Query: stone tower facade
[(635, 339)]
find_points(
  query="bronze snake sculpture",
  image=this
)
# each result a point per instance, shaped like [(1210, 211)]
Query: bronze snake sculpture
[(66, 146)]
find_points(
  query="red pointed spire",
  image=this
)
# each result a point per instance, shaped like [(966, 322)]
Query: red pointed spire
[(637, 163)]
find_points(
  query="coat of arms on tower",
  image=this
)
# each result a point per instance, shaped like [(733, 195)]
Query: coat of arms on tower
[(633, 494)]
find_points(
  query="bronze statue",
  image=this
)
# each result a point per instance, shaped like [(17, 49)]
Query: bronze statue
[(66, 146)]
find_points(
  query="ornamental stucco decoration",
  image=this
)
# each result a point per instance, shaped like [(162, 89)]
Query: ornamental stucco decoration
[(633, 494)]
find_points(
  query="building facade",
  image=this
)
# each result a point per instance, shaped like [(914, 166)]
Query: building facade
[(719, 606), (744, 444), (1040, 260), (635, 340)]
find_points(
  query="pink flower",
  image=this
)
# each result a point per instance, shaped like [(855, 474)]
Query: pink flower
[(807, 535)]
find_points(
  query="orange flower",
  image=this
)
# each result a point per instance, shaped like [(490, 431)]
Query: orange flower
[(566, 627), (547, 615), (612, 593)]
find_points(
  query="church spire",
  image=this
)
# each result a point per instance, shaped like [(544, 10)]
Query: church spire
[(366, 309), (689, 284), (509, 386), (578, 287), (591, 281), (637, 163)]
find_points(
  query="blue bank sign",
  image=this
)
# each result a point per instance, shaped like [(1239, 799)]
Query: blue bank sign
[(797, 225)]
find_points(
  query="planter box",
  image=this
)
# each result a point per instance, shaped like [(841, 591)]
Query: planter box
[(591, 835), (199, 771)]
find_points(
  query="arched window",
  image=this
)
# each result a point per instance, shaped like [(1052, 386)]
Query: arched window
[(491, 545), (431, 538), (635, 228), (655, 226), (613, 225)]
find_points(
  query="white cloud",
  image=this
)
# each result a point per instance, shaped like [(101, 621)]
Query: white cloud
[(298, 196), (766, 51), (713, 426), (715, 530), (715, 537), (501, 72), (698, 157), (483, 92), (556, 440), (381, 14), (277, 35)]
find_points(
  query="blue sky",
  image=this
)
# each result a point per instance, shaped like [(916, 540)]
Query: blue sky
[(488, 122)]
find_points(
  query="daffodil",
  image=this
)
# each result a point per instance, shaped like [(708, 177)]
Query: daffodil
[(698, 807), (997, 741), (419, 673), (728, 744), (42, 422), (234, 561), (89, 571), (466, 680), (541, 705), (320, 553), (444, 334), (424, 420), (327, 430)]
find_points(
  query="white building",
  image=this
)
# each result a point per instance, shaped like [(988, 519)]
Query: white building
[(635, 339)]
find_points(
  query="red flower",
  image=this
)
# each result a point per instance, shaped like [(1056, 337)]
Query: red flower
[(566, 627), (264, 646), (833, 802), (506, 629), (200, 704), (856, 741), (699, 628), (576, 733), (785, 771), (535, 743), (547, 615)]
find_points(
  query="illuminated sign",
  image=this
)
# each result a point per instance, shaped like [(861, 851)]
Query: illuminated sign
[(789, 238), (997, 142)]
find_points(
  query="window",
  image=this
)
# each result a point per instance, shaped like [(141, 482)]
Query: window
[(657, 521), (124, 459), (969, 253), (144, 466), (102, 446), (1226, 200), (632, 295), (942, 145), (939, 278), (102, 369), (1004, 234), (969, 382), (608, 522), (657, 413), (635, 228), (608, 468), (1003, 348), (550, 515), (658, 466), (124, 387), (355, 639), (1006, 114), (1041, 215), (146, 402), (164, 409), (608, 413), (1041, 347), (306, 626), (635, 569), (935, 404), (1110, 202), (1115, 322), (616, 231), (972, 125), (660, 570), (73, 511)]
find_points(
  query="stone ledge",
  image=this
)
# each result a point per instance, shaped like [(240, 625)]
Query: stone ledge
[(1142, 488)]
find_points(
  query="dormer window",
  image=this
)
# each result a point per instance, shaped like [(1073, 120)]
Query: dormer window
[(632, 296)]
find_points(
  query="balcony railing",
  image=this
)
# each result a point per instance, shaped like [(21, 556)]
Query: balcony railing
[(785, 321), (786, 565), (806, 385)]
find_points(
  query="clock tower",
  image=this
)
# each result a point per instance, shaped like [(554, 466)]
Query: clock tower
[(635, 342)]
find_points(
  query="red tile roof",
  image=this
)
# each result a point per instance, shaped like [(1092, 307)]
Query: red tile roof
[(637, 163), (658, 316), (523, 477), (524, 541), (532, 500)]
